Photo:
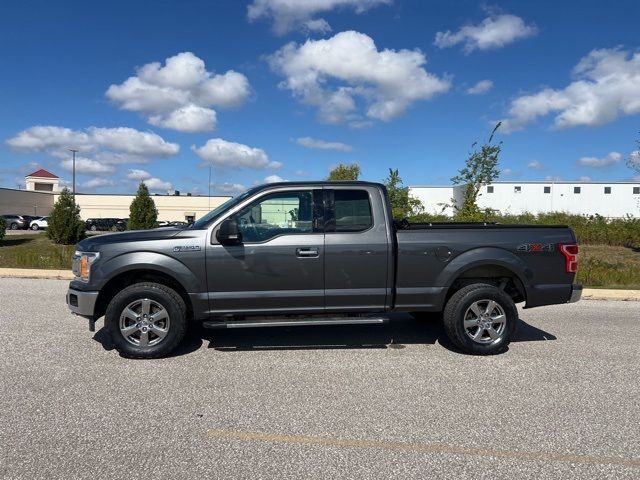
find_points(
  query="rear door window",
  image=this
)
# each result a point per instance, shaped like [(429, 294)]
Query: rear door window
[(352, 211)]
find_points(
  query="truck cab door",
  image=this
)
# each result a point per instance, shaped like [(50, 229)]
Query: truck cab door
[(358, 259), (278, 265)]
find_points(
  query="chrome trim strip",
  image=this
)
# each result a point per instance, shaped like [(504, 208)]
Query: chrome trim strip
[(296, 323)]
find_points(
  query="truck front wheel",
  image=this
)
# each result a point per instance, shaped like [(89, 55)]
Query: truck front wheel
[(480, 319), (146, 320)]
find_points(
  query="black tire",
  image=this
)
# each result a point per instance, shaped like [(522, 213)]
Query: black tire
[(460, 308), (14, 226), (93, 228), (35, 227), (160, 295)]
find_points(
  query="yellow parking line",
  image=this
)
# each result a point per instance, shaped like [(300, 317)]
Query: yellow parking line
[(423, 448)]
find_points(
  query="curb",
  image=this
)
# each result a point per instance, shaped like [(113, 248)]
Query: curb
[(35, 273), (587, 293), (609, 294)]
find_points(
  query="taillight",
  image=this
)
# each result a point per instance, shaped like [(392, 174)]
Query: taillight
[(570, 252)]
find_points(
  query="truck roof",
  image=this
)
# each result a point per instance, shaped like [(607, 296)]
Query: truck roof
[(322, 183)]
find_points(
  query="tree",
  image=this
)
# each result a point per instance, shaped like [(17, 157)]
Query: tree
[(480, 169), (633, 161), (64, 224), (402, 204), (3, 226), (142, 212), (345, 172)]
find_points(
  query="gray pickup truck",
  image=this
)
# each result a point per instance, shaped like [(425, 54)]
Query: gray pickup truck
[(318, 253)]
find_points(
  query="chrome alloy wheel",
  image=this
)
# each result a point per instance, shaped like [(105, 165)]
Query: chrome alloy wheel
[(485, 321), (144, 323)]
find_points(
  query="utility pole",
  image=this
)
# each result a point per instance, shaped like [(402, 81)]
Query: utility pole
[(73, 150)]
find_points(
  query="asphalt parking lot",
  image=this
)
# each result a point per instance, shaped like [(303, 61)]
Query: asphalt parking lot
[(369, 402)]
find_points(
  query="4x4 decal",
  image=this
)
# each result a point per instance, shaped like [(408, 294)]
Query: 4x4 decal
[(536, 247)]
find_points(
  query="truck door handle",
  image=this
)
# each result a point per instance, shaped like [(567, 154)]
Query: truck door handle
[(306, 252)]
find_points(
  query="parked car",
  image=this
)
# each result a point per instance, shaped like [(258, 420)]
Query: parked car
[(105, 224), (39, 223), (16, 222), (340, 259)]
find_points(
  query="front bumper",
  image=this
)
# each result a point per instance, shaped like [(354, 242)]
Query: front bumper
[(576, 293), (82, 303)]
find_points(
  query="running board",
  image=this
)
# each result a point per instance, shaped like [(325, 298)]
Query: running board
[(285, 322)]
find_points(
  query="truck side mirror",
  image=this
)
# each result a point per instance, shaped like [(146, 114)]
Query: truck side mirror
[(229, 233)]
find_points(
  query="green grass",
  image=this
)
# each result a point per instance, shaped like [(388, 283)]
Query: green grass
[(606, 266), (34, 251), (602, 266)]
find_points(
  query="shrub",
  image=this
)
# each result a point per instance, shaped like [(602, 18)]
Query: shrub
[(65, 226), (590, 230), (3, 226), (142, 212)]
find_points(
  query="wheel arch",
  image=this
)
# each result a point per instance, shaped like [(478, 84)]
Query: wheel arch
[(491, 265), (139, 275)]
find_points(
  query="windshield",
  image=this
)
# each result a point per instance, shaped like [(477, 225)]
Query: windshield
[(219, 210)]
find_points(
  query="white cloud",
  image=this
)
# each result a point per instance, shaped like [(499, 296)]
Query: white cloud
[(109, 145), (137, 174), (331, 73), (188, 119), (553, 178), (323, 145), (224, 154), (87, 165), (288, 15), (99, 149), (480, 88), (609, 160), (494, 31), (97, 182), (301, 173), (156, 185), (180, 94), (228, 188), (584, 178), (606, 85), (535, 165), (507, 172), (273, 179)]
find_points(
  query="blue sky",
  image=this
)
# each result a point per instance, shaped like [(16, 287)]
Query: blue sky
[(274, 89)]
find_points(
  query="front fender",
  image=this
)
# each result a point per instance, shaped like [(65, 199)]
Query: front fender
[(126, 262)]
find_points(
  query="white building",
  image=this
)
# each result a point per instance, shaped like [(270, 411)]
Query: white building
[(42, 181), (608, 199)]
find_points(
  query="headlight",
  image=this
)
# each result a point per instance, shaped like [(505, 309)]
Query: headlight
[(81, 265)]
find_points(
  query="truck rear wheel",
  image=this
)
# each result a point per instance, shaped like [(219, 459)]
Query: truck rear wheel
[(146, 320), (480, 319)]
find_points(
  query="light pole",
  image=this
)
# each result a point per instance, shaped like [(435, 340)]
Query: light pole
[(209, 187), (73, 150)]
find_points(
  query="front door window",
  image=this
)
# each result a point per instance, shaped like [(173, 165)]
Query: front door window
[(281, 213)]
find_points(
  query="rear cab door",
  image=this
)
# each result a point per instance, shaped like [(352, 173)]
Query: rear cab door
[(358, 261)]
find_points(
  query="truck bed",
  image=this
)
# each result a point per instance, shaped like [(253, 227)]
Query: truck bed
[(433, 256)]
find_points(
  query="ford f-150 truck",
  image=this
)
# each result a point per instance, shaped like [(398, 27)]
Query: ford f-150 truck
[(318, 253)]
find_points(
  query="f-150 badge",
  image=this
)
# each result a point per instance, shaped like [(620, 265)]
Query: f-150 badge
[(186, 248), (536, 247)]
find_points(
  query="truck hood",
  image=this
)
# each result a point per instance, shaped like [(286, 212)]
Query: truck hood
[(92, 244)]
